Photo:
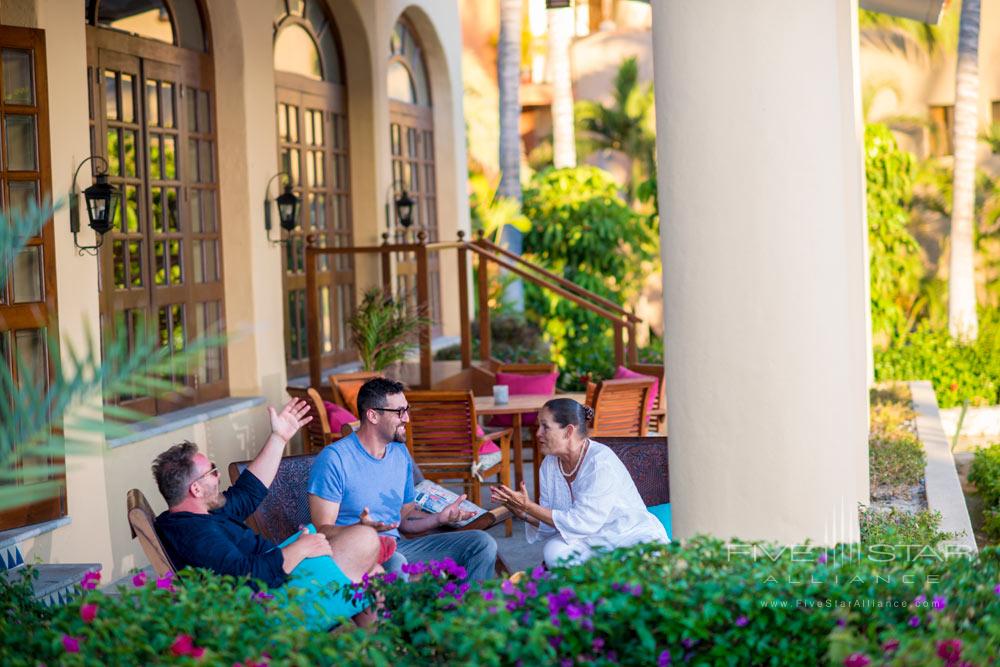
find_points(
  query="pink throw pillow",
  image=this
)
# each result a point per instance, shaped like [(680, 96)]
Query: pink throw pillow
[(627, 374), (521, 385), (338, 416)]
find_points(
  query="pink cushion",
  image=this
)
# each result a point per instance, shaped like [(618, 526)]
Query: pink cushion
[(627, 374), (338, 416), (521, 385)]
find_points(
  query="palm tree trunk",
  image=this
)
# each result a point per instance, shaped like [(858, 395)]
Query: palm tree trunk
[(509, 81), (962, 321), (560, 33)]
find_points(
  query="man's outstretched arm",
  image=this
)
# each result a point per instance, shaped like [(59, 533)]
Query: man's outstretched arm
[(284, 425)]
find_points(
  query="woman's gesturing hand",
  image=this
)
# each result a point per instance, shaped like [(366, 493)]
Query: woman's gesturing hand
[(516, 501)]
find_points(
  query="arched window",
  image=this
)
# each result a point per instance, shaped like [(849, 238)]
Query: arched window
[(411, 140), (152, 117), (313, 151)]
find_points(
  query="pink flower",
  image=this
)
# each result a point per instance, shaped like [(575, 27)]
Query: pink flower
[(139, 580), (71, 644), (90, 579), (88, 612), (184, 645), (857, 660), (940, 602), (166, 582), (890, 646), (950, 650)]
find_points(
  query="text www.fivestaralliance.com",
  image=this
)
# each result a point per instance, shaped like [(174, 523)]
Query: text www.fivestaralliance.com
[(863, 603)]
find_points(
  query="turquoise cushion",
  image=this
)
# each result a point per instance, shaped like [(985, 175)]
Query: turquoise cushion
[(662, 512), (319, 581)]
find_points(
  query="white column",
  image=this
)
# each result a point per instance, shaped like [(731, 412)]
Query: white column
[(764, 252)]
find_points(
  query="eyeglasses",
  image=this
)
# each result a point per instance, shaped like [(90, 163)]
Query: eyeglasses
[(214, 470), (399, 411)]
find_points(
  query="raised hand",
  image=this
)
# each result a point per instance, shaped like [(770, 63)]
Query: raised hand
[(454, 513), (292, 417), (515, 501), (365, 520)]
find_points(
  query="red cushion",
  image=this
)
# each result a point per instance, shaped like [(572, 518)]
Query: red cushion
[(521, 385), (626, 374), (338, 416)]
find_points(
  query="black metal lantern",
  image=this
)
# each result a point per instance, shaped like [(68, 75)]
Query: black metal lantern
[(404, 209), (102, 200), (288, 209)]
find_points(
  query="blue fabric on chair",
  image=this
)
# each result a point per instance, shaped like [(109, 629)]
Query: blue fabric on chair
[(662, 512), (319, 580)]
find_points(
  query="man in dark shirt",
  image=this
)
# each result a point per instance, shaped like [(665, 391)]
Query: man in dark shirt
[(205, 528)]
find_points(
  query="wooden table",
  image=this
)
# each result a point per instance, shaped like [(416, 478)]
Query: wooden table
[(516, 407)]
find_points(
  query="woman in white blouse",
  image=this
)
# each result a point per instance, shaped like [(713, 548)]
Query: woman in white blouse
[(588, 499)]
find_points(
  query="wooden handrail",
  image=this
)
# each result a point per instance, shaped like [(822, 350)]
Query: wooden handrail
[(567, 284)]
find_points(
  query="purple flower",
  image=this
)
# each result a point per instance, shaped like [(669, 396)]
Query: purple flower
[(914, 621), (823, 558), (920, 600), (841, 622), (742, 621), (390, 578), (511, 605), (857, 660), (166, 582), (539, 573), (531, 589), (687, 643), (587, 625), (573, 612), (139, 580), (507, 587), (263, 596), (71, 644), (386, 614), (950, 650), (554, 642), (996, 589), (566, 662), (637, 590), (597, 644), (664, 659), (488, 595), (491, 610), (612, 656), (940, 602)]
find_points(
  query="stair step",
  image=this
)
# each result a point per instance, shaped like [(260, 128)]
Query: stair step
[(56, 582)]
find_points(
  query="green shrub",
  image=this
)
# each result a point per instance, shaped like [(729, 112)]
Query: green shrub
[(894, 255), (583, 231), (985, 474), (514, 339), (895, 460), (704, 602), (959, 372), (896, 527)]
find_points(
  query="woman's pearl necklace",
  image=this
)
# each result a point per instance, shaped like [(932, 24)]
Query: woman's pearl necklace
[(583, 453)]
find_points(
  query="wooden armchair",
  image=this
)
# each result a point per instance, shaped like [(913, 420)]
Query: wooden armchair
[(345, 388), (658, 415), (317, 434), (441, 437), (141, 522), (620, 407)]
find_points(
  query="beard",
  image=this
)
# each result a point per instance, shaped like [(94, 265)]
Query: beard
[(218, 502), (399, 435)]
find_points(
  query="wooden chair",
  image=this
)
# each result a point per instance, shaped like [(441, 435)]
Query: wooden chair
[(441, 437), (141, 522), (658, 415), (620, 407), (317, 433), (345, 387), (531, 441)]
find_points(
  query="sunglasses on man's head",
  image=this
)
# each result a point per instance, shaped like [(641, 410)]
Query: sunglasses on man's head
[(399, 411)]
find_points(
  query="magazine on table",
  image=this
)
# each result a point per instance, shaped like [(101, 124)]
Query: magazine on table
[(433, 498)]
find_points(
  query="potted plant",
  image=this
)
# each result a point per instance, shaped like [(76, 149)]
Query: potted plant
[(384, 329)]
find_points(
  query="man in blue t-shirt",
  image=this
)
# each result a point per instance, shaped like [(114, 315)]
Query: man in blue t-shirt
[(205, 528), (367, 478)]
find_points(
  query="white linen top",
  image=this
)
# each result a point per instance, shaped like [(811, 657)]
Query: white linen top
[(603, 509)]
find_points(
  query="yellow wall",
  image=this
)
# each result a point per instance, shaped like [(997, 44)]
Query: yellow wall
[(247, 154)]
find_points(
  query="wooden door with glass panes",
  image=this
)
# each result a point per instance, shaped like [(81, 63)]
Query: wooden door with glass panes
[(312, 141), (28, 299), (161, 266)]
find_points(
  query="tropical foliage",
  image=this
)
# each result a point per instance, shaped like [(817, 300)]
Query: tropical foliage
[(985, 474), (703, 602), (583, 231), (384, 329), (34, 408)]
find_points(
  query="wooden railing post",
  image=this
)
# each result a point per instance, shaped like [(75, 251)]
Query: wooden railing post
[(423, 306), (386, 266), (633, 344), (619, 344), (484, 309), (312, 320), (463, 302)]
